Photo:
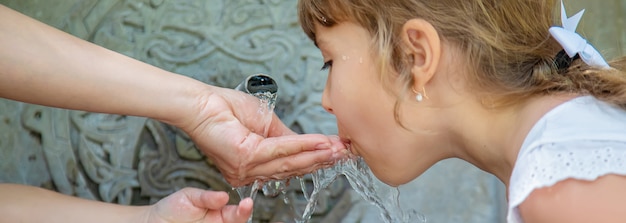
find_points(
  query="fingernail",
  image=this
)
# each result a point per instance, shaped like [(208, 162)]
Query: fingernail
[(322, 146), (329, 163)]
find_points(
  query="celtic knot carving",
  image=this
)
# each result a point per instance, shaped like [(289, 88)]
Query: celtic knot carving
[(134, 160)]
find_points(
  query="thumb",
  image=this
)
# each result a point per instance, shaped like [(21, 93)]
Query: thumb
[(207, 199), (238, 213)]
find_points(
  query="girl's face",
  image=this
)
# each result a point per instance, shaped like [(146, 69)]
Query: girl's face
[(364, 110)]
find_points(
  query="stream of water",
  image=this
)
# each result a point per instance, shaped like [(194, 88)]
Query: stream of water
[(356, 171)]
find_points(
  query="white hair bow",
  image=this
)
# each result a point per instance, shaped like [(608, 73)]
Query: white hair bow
[(573, 43)]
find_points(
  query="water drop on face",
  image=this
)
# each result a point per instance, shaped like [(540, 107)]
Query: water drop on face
[(344, 57), (361, 60)]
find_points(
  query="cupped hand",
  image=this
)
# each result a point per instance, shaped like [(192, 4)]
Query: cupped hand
[(229, 128), (192, 205)]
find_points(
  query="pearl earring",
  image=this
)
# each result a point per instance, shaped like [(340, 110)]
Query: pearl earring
[(419, 97)]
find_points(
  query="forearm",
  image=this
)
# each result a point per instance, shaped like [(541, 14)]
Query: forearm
[(42, 65), (19, 203)]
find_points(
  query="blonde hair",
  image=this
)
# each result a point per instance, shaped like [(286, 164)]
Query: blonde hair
[(508, 48)]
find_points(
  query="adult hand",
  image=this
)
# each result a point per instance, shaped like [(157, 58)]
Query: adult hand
[(229, 129), (195, 205)]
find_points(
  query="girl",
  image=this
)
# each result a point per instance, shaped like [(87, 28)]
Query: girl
[(413, 82)]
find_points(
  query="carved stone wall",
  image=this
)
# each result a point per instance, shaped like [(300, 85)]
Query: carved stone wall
[(133, 160)]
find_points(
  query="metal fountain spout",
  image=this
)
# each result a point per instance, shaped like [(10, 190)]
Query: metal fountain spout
[(258, 84)]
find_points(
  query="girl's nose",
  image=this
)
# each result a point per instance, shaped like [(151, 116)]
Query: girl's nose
[(326, 100)]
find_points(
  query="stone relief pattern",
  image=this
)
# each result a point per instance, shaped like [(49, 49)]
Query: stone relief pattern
[(133, 160)]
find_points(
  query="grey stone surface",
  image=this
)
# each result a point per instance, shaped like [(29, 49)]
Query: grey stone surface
[(602, 24), (132, 160)]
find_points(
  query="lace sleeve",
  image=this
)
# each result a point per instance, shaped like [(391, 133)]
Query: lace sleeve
[(547, 164)]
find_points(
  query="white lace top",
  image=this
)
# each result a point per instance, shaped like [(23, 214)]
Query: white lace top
[(582, 139)]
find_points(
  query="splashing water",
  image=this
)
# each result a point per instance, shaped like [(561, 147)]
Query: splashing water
[(356, 171)]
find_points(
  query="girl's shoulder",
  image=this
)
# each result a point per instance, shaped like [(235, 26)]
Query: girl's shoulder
[(573, 200), (582, 139)]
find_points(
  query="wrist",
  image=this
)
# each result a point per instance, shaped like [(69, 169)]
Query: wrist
[(186, 101), (141, 214)]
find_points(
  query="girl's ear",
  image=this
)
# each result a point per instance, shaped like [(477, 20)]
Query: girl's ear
[(424, 45)]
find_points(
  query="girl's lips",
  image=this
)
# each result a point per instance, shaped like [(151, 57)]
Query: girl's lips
[(348, 144), (345, 141), (339, 147)]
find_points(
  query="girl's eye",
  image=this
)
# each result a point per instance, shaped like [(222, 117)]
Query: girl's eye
[(327, 65)]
